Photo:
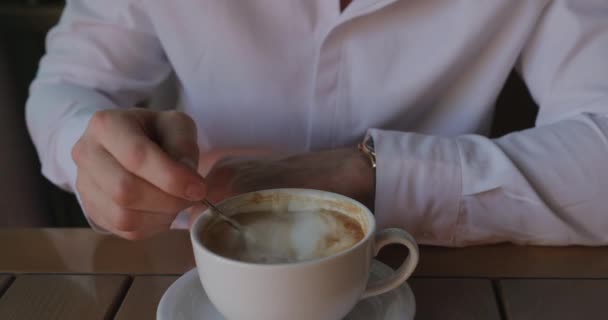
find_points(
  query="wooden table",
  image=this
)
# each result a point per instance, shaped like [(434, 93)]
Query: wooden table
[(68, 273)]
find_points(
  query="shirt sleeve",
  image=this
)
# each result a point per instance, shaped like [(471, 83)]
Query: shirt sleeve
[(547, 185), (102, 54)]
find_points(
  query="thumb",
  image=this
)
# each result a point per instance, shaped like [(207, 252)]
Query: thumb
[(177, 136)]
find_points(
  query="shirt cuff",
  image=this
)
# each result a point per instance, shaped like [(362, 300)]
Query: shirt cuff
[(418, 184)]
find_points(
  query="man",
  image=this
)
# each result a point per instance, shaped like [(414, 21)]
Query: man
[(311, 79)]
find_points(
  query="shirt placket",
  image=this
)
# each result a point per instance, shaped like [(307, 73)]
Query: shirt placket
[(328, 68)]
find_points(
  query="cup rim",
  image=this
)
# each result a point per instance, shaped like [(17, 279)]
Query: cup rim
[(197, 242)]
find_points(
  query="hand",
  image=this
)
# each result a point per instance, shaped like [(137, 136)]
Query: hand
[(136, 170), (343, 171)]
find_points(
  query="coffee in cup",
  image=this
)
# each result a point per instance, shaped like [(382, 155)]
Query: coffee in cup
[(272, 237)]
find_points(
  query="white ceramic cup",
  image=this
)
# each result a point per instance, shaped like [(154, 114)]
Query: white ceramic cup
[(322, 289)]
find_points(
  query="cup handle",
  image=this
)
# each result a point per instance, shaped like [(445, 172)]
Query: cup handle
[(393, 236)]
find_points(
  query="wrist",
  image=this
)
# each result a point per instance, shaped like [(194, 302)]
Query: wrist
[(363, 175)]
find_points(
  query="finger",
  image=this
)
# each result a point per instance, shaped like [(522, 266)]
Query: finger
[(129, 224), (177, 136), (220, 182), (87, 190), (124, 188), (152, 224), (135, 151)]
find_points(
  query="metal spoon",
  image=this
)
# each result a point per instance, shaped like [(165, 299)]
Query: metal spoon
[(233, 223)]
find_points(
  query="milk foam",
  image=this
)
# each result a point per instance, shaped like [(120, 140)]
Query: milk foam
[(285, 237)]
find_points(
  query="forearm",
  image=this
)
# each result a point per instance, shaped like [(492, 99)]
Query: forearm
[(93, 61), (541, 186), (363, 177), (346, 171)]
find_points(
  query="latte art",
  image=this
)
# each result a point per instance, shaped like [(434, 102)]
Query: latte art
[(284, 237)]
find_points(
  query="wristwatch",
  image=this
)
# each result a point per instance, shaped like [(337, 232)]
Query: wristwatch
[(367, 148)]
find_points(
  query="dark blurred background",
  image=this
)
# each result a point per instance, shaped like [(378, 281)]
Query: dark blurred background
[(27, 198)]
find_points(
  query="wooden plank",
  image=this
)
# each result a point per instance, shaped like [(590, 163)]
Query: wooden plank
[(4, 283), (62, 297), (143, 297), (85, 251), (555, 299), (454, 299), (507, 261)]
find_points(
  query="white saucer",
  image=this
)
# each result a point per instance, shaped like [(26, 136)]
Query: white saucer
[(186, 300)]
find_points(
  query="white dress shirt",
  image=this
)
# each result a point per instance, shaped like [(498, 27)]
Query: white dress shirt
[(420, 76)]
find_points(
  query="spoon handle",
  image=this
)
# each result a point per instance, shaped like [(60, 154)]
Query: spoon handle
[(233, 223)]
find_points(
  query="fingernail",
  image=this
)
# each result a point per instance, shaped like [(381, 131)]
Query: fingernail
[(189, 162), (196, 191)]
